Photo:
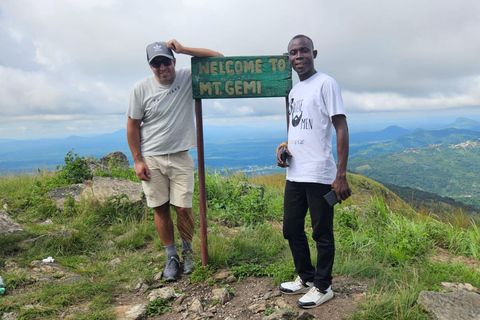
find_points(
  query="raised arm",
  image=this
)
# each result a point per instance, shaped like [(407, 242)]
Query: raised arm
[(195, 52), (340, 185)]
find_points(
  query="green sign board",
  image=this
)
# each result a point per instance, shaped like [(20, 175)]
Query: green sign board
[(241, 77)]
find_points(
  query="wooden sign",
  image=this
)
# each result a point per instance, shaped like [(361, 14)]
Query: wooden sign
[(241, 77)]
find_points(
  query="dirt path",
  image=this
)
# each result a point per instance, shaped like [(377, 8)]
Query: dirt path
[(251, 297)]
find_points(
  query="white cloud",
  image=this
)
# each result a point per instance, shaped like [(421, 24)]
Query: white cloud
[(15, 34), (26, 92), (81, 58), (52, 58), (392, 101)]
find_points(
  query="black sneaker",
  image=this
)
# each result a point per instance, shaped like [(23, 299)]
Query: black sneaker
[(172, 265)]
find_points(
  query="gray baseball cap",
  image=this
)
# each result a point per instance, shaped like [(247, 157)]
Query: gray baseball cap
[(158, 49)]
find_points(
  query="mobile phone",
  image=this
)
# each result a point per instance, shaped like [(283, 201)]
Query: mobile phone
[(283, 154), (331, 198)]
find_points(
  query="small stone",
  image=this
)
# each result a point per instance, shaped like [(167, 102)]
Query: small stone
[(9, 316), (130, 312), (166, 293), (222, 275), (258, 307), (158, 276), (281, 303), (221, 295), (196, 306), (180, 300)]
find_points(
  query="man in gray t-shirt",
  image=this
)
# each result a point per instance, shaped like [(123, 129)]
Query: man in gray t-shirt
[(160, 131)]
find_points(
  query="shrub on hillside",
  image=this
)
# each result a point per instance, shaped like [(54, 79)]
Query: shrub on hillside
[(74, 171)]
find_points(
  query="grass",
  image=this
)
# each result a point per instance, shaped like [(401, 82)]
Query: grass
[(378, 238)]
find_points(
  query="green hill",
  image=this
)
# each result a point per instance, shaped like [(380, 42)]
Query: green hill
[(415, 140), (445, 168)]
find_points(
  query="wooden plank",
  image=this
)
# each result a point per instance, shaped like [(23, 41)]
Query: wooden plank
[(241, 77)]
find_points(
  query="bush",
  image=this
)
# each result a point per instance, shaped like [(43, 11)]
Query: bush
[(74, 171), (236, 201)]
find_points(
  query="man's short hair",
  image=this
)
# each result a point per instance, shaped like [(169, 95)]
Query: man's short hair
[(303, 36)]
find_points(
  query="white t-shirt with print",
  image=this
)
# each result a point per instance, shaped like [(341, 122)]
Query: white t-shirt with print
[(167, 114), (312, 103)]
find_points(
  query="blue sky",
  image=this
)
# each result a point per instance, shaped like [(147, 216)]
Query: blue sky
[(67, 67)]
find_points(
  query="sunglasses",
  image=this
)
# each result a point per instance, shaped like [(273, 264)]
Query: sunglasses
[(157, 63)]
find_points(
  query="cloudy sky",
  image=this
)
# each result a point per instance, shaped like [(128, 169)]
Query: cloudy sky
[(67, 66)]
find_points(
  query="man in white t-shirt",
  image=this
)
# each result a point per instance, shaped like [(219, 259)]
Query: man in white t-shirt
[(160, 131), (315, 109)]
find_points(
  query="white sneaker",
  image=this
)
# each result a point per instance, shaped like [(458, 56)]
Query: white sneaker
[(295, 287), (314, 297)]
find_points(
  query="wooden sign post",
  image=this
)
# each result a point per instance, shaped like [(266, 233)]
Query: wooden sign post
[(233, 77)]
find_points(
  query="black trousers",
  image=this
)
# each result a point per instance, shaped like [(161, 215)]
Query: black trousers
[(299, 198)]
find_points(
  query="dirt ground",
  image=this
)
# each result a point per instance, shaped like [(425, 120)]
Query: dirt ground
[(249, 291)]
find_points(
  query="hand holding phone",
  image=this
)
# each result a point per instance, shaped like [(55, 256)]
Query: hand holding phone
[(331, 198), (283, 154)]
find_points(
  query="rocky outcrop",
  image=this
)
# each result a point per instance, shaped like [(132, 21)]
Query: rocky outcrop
[(40, 272), (99, 188), (8, 226), (461, 303), (112, 160)]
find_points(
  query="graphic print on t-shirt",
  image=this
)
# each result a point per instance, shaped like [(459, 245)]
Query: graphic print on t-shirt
[(296, 114), (295, 111)]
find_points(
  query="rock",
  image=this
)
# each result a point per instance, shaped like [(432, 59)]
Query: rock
[(11, 266), (8, 226), (112, 160), (100, 189), (141, 286), (281, 303), (208, 314), (196, 306), (166, 293), (221, 295), (104, 188), (158, 276), (272, 294), (92, 165), (179, 300), (455, 287), (60, 195), (9, 316), (130, 312), (222, 275), (258, 307), (461, 305), (44, 273)]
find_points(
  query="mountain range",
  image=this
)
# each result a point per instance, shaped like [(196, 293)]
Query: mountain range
[(420, 159)]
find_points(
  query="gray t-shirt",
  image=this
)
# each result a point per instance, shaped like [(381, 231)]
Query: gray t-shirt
[(166, 112)]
